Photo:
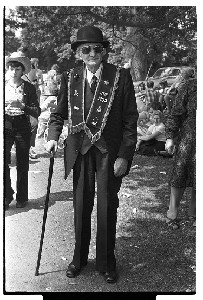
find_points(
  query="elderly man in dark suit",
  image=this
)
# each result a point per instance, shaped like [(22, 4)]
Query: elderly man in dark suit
[(99, 103)]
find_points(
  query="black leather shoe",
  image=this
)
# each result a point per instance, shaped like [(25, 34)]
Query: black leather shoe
[(21, 204), (110, 277), (7, 202), (6, 206), (72, 271)]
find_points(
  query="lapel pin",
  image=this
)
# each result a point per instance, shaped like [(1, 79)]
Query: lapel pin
[(76, 93), (106, 82), (99, 109), (76, 76)]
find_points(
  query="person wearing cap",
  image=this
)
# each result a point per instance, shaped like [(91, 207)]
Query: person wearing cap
[(20, 103), (98, 100)]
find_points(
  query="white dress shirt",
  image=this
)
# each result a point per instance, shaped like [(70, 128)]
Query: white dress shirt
[(89, 74)]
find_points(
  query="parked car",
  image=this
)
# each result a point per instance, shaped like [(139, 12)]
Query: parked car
[(168, 73)]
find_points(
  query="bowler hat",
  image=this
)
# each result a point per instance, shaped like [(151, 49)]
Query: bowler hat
[(89, 34), (19, 57)]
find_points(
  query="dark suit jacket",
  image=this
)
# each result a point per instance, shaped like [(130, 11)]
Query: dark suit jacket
[(30, 99), (120, 132)]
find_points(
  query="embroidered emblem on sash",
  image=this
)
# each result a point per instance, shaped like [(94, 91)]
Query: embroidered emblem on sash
[(102, 99), (104, 94), (101, 103)]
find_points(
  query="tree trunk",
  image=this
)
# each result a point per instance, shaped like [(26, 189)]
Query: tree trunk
[(135, 51)]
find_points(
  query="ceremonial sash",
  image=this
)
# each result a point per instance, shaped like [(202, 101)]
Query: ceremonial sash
[(101, 104)]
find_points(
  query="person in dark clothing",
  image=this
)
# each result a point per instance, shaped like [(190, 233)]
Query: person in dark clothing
[(20, 103), (98, 100)]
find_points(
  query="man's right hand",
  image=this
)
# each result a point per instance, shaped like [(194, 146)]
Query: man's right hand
[(51, 146)]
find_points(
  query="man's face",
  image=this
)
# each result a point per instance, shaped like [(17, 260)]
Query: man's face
[(91, 54)]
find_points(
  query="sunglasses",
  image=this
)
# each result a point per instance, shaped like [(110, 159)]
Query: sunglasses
[(87, 49)]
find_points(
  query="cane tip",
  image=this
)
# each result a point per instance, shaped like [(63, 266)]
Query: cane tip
[(36, 273)]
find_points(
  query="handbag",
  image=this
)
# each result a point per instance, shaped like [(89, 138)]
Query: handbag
[(33, 123)]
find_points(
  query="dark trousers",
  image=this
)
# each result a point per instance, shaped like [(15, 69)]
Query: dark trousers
[(84, 171), (17, 130), (149, 147), (33, 137)]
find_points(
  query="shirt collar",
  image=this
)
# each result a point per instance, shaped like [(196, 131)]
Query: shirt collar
[(89, 74)]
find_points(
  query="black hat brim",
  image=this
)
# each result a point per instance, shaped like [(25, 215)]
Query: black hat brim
[(78, 43)]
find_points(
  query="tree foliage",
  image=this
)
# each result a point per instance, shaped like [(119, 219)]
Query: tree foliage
[(146, 35)]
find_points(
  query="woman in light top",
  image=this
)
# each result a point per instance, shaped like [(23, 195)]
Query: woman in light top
[(154, 139)]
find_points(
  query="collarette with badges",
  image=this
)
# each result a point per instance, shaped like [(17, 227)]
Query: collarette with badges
[(101, 104)]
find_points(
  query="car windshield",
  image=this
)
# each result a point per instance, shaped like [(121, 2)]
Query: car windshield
[(174, 72), (161, 73)]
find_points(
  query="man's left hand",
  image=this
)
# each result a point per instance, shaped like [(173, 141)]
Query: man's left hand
[(120, 166)]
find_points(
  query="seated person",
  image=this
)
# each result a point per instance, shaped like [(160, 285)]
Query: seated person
[(146, 117), (154, 139)]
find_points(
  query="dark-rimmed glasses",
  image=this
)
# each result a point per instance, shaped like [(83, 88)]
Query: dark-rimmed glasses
[(88, 49)]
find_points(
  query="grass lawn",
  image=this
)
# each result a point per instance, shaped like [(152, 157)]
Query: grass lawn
[(154, 254)]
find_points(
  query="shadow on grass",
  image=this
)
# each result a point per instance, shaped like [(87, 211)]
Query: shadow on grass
[(152, 258), (39, 203), (149, 171), (149, 179)]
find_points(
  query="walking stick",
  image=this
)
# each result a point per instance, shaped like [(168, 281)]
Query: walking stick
[(45, 212)]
